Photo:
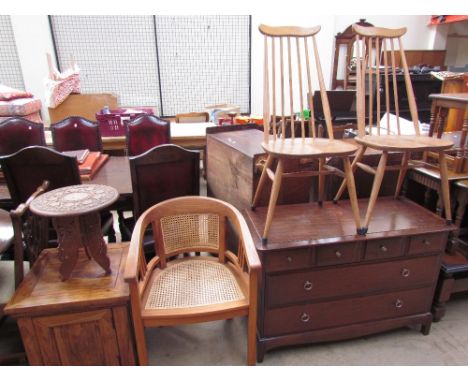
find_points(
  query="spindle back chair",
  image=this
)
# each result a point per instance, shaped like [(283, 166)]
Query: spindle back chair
[(376, 51), (288, 77)]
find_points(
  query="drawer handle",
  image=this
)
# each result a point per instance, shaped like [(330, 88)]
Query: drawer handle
[(383, 248), (305, 317), (426, 242), (398, 304), (338, 254), (308, 285), (290, 259), (405, 272)]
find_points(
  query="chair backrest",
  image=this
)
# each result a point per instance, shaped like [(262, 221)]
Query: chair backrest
[(17, 133), (191, 224), (376, 48), (164, 172), (146, 132), (192, 117), (28, 168), (76, 133), (288, 75)]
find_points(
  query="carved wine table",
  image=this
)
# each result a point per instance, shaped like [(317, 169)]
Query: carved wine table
[(75, 215)]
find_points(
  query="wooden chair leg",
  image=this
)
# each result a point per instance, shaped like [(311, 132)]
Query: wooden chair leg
[(375, 188), (273, 199), (357, 158), (251, 339), (352, 194), (261, 181), (321, 182), (402, 174), (444, 187)]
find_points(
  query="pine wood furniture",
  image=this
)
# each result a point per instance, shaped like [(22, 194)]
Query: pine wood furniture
[(76, 133), (278, 69), (82, 321), (167, 292), (74, 211), (322, 282), (192, 117), (377, 46)]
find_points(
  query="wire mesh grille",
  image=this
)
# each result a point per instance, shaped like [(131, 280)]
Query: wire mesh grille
[(203, 60), (10, 67), (190, 231), (116, 54), (193, 283)]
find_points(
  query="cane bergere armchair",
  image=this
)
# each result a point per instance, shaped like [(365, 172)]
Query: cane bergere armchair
[(377, 48), (281, 65)]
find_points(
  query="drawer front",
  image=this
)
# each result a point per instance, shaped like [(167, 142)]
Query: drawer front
[(287, 260), (339, 253), (429, 243), (323, 315), (351, 280), (384, 248)]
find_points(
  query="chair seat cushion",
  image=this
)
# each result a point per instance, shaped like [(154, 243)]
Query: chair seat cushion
[(404, 142), (7, 279), (193, 282), (308, 147)]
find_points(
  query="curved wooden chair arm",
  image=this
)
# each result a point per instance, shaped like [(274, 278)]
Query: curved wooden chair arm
[(23, 207)]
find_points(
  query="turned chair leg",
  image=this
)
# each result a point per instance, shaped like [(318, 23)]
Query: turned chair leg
[(273, 199), (357, 158), (402, 174), (349, 178), (444, 187), (261, 181), (375, 188)]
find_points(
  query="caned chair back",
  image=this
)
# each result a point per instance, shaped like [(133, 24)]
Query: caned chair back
[(290, 53), (76, 133), (376, 51), (17, 133)]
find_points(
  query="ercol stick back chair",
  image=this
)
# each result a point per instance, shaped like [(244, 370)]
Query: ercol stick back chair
[(167, 292), (282, 145), (376, 49)]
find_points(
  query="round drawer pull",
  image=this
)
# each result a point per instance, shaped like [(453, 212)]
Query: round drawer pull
[(290, 259), (383, 248), (305, 317), (398, 304), (426, 242), (308, 285), (338, 254), (405, 272)]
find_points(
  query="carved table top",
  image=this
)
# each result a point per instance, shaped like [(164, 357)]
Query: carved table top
[(74, 200)]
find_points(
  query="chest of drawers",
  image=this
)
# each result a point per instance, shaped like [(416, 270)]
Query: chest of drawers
[(321, 282)]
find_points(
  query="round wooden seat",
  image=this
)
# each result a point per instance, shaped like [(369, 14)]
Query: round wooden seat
[(309, 147), (404, 142)]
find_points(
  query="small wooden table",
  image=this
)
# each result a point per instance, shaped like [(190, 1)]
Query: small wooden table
[(74, 213)]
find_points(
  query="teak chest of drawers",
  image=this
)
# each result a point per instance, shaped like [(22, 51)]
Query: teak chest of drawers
[(321, 282), (82, 321)]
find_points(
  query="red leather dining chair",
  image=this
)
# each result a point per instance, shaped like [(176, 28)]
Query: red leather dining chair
[(28, 168), (161, 173), (76, 133), (146, 132), (17, 133)]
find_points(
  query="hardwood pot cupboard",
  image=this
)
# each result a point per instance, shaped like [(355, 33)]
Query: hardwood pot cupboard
[(82, 321), (322, 282)]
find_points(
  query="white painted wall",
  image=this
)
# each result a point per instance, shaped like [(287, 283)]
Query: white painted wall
[(33, 41)]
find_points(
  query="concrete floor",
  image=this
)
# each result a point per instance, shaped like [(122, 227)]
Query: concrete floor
[(224, 343)]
